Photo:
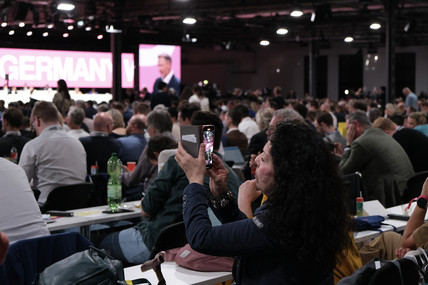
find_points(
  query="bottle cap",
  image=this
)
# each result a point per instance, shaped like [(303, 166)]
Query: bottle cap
[(360, 199)]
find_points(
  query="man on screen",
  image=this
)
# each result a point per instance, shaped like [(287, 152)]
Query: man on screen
[(166, 74)]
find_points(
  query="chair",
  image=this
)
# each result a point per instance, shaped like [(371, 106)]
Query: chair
[(414, 186), (68, 197), (171, 236), (164, 155), (99, 191), (28, 257), (355, 187)]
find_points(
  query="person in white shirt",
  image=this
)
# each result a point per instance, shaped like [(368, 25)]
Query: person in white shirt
[(74, 121), (20, 216), (247, 126), (53, 158)]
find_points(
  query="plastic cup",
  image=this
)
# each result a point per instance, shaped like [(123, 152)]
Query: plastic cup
[(131, 165)]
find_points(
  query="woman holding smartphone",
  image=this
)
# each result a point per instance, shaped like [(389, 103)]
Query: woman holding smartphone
[(295, 236)]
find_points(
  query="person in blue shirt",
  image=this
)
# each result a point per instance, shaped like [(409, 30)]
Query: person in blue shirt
[(296, 235)]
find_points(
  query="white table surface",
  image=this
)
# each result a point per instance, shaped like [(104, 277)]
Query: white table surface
[(177, 275), (88, 216), (399, 224)]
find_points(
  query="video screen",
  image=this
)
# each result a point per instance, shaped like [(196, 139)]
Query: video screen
[(81, 69), (150, 65)]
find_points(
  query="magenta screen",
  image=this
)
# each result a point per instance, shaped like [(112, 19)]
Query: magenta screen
[(148, 65), (36, 68)]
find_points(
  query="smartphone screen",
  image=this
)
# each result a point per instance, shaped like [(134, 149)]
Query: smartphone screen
[(208, 140)]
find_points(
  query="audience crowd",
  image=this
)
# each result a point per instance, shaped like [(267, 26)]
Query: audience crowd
[(62, 142)]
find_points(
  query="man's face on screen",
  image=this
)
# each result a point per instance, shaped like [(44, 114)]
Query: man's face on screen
[(164, 66)]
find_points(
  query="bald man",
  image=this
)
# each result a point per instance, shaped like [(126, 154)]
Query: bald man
[(133, 144), (99, 146)]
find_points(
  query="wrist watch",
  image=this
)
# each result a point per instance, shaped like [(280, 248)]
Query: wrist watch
[(422, 202), (221, 200)]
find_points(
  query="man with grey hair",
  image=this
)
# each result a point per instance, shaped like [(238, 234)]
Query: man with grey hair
[(411, 100), (158, 123), (74, 121), (382, 162), (166, 74), (283, 115)]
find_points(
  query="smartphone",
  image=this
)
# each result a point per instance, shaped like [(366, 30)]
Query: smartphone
[(208, 140)]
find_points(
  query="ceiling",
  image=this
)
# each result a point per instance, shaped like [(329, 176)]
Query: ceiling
[(226, 24)]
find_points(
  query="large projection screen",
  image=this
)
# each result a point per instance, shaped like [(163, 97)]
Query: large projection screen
[(38, 68), (148, 63)]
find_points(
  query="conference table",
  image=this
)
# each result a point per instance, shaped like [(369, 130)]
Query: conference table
[(177, 275), (389, 224), (85, 217)]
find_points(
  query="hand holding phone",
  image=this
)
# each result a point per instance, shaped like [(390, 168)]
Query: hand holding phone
[(208, 140)]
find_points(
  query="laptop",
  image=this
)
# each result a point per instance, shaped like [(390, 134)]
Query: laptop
[(233, 153)]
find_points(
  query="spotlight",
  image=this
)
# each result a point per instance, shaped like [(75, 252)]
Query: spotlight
[(189, 20), (282, 31), (375, 26), (296, 13), (264, 43), (100, 36), (11, 32), (71, 27), (194, 40), (45, 34), (4, 24), (80, 23), (50, 26), (349, 39), (65, 5), (29, 33), (21, 24), (65, 35), (88, 29)]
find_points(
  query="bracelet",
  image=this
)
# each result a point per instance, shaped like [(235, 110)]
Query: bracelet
[(221, 200)]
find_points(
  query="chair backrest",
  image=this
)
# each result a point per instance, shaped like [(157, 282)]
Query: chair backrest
[(164, 155), (414, 186), (172, 236), (99, 191), (354, 185), (28, 257), (68, 197)]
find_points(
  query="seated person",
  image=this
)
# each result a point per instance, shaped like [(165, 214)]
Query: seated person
[(392, 245), (162, 204), (20, 216), (284, 238)]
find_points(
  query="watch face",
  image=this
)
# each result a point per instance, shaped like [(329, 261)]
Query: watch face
[(422, 203)]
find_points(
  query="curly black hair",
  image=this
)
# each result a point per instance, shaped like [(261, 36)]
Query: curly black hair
[(307, 208)]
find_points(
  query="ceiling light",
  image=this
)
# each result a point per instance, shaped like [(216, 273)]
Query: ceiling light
[(296, 13), (65, 5), (264, 43), (349, 39), (100, 37), (189, 20), (4, 24), (45, 34), (80, 23), (29, 33), (65, 35), (375, 26), (313, 15), (88, 29), (282, 31), (11, 32), (70, 27), (21, 25), (194, 40), (50, 26)]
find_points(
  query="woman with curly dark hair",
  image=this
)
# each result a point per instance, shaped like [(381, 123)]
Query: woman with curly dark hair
[(295, 236)]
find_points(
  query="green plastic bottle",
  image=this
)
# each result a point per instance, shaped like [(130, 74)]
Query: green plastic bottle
[(114, 186)]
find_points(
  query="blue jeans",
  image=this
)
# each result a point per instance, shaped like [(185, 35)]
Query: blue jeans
[(126, 245)]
